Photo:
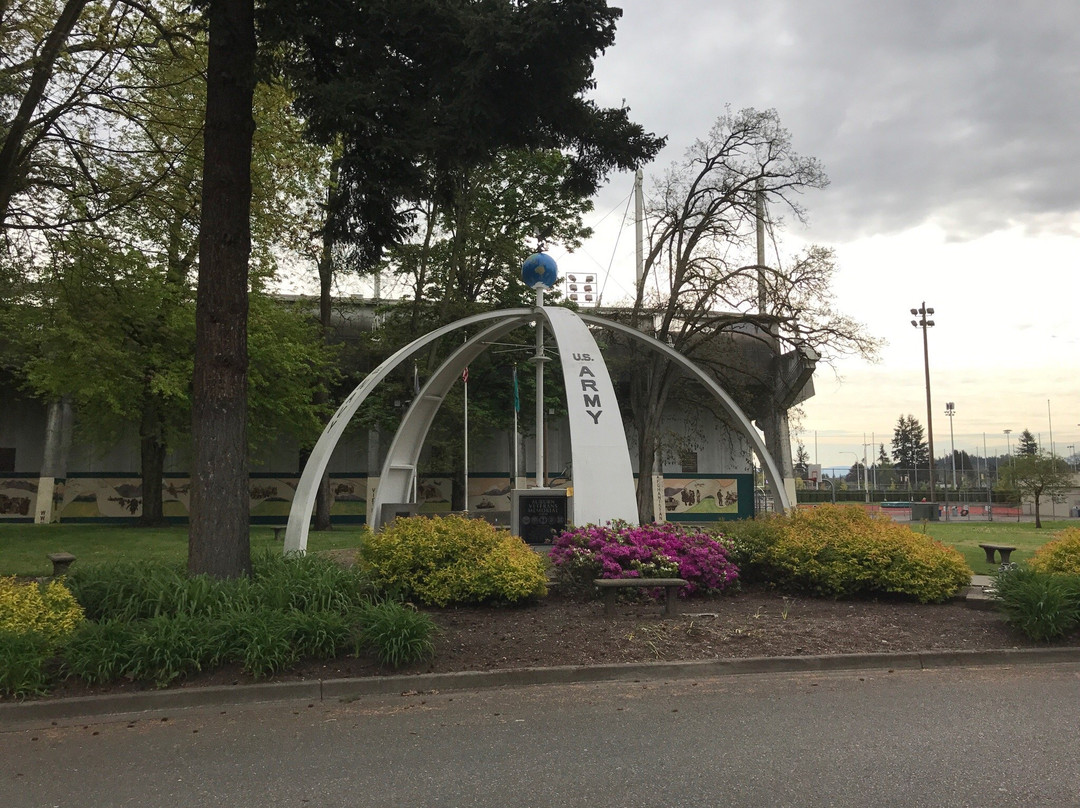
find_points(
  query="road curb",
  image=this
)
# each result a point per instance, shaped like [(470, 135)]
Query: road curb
[(346, 689)]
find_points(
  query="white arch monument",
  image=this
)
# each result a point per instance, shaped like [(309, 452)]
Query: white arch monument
[(603, 478)]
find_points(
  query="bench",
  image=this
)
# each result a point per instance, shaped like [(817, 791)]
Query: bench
[(60, 563), (610, 587), (279, 533), (1004, 549)]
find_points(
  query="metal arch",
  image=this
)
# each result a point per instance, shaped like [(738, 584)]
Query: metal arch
[(399, 468), (776, 480), (296, 532)]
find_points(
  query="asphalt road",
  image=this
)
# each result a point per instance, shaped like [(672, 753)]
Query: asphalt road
[(956, 737)]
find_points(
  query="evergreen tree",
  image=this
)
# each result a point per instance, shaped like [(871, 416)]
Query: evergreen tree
[(1027, 445), (909, 448)]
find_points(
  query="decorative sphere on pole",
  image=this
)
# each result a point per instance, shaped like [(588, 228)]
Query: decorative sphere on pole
[(539, 271)]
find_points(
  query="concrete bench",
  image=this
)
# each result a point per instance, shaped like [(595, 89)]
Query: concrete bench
[(1004, 549), (279, 532), (610, 587), (60, 563)]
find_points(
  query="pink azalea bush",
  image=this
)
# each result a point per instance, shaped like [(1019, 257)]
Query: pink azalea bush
[(619, 550)]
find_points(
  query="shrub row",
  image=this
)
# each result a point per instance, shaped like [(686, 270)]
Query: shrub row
[(153, 623), (619, 550), (841, 551)]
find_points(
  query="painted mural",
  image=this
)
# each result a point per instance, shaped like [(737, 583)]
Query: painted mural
[(692, 495)]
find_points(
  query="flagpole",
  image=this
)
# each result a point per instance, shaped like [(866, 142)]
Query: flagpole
[(514, 474), (465, 379)]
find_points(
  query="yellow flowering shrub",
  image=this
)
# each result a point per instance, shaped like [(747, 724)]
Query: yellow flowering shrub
[(842, 551), (1060, 556), (451, 559), (49, 610)]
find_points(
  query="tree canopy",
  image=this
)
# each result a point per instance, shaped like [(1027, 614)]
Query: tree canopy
[(1035, 476), (418, 93)]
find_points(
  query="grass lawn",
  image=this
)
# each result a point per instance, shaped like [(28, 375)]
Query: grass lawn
[(24, 547), (967, 536)]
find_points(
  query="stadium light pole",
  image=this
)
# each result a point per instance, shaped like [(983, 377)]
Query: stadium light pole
[(923, 313), (1008, 446), (950, 410)]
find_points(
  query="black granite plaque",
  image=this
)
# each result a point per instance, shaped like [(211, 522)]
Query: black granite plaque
[(541, 516)]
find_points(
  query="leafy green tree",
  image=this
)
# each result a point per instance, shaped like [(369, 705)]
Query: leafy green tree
[(1026, 444), (110, 319), (1036, 475), (60, 97), (419, 96), (909, 449), (402, 88)]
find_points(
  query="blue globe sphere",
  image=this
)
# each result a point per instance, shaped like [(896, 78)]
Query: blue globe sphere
[(540, 271)]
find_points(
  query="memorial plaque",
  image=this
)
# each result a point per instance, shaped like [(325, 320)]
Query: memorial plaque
[(539, 514)]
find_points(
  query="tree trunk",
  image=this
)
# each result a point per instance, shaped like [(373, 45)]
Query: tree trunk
[(219, 542), (152, 466), (648, 396)]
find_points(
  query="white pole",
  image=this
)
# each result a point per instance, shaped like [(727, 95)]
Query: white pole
[(639, 228), (540, 359), (465, 378), (514, 476)]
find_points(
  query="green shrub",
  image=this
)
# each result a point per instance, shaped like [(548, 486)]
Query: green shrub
[(47, 610), (165, 648), (398, 634), (100, 652), (1062, 555), (451, 559), (24, 663), (307, 583), (129, 590), (751, 541), (1045, 606), (264, 641), (841, 551)]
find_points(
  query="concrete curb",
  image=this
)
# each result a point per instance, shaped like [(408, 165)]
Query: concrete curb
[(346, 689)]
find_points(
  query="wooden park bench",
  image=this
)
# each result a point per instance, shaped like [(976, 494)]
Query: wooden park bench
[(1004, 549), (610, 587), (60, 563)]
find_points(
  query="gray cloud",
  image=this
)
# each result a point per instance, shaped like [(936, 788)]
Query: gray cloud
[(957, 112)]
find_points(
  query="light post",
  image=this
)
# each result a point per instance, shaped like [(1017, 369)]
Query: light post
[(950, 410), (1008, 447), (922, 312), (1072, 451), (858, 478)]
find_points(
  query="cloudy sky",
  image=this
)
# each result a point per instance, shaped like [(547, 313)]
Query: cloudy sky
[(950, 130)]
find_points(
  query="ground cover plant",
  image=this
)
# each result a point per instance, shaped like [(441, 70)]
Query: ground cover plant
[(154, 623), (1044, 605), (842, 552), (664, 550), (443, 560)]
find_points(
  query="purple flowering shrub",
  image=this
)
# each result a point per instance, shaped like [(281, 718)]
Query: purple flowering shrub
[(664, 550)]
